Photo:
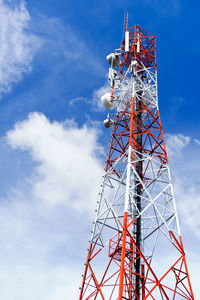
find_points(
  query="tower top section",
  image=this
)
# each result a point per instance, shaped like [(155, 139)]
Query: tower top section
[(139, 45)]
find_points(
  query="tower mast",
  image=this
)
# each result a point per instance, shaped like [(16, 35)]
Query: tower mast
[(136, 250)]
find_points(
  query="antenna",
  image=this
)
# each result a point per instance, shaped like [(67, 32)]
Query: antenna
[(126, 19), (125, 23)]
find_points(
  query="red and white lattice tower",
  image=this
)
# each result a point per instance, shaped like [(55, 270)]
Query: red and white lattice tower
[(136, 250)]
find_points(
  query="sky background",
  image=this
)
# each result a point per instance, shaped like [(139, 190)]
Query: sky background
[(52, 142)]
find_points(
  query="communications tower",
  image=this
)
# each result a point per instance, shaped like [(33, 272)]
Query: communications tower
[(136, 250)]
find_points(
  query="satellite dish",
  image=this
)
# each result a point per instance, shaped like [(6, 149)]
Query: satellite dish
[(106, 100), (108, 122), (113, 59)]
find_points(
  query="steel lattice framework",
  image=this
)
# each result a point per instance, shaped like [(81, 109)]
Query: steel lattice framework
[(136, 250)]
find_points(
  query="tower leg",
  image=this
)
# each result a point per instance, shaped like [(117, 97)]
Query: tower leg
[(143, 282), (123, 253)]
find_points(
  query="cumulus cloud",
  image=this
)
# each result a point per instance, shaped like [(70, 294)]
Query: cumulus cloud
[(17, 45), (68, 168), (175, 143)]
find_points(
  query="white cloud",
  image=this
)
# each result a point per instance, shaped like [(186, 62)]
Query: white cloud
[(62, 41), (17, 45), (22, 36), (68, 169), (175, 143), (197, 141), (78, 99), (38, 282), (182, 151), (193, 260), (188, 195), (96, 99)]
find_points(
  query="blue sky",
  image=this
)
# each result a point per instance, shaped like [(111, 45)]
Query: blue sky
[(52, 142)]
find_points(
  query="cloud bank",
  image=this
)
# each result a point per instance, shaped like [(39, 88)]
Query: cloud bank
[(41, 224)]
